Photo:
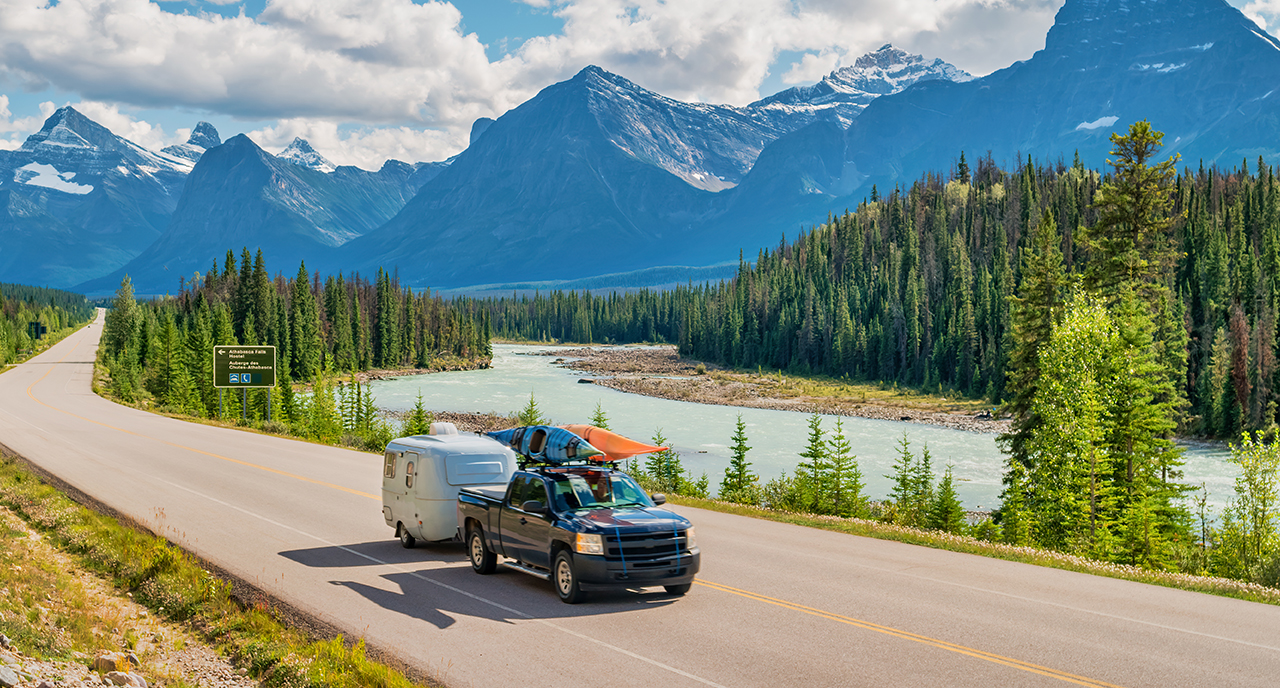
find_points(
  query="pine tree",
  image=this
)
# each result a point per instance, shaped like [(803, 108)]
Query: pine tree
[(531, 414), (1032, 318), (845, 497), (1130, 243), (739, 483), (813, 473), (600, 420), (945, 512), (419, 420)]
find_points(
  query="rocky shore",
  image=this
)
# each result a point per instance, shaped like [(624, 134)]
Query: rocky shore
[(661, 372)]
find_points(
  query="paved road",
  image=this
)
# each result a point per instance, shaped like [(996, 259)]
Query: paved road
[(775, 605)]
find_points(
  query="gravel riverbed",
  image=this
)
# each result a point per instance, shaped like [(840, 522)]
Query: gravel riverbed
[(662, 372)]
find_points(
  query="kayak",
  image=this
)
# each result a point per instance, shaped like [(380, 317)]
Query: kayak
[(547, 443), (614, 446)]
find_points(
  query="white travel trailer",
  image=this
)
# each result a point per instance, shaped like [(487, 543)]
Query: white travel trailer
[(421, 476)]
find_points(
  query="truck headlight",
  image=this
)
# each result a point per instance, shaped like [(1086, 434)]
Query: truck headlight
[(589, 543), (691, 541)]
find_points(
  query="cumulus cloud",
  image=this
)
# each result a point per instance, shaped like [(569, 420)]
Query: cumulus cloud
[(1262, 11), (138, 131), (408, 67), (366, 147), (811, 67), (14, 131)]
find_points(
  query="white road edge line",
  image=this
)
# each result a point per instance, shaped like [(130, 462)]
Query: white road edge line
[(1063, 606), (450, 588)]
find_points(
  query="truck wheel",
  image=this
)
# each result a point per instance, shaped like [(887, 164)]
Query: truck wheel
[(406, 540), (678, 589), (566, 579), (483, 560)]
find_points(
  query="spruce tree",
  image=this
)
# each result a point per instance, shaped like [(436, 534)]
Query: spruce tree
[(531, 414), (739, 483), (845, 498), (945, 512)]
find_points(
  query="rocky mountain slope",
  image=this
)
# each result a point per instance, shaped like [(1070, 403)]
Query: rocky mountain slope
[(77, 201)]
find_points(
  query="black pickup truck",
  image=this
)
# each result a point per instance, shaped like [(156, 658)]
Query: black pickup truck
[(581, 527)]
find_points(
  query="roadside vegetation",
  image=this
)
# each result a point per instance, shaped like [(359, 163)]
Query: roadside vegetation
[(45, 610), (159, 354), (58, 312)]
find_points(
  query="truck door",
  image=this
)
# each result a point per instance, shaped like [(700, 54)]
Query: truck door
[(525, 535)]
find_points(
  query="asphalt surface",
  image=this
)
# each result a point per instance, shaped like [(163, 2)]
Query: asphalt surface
[(775, 605)]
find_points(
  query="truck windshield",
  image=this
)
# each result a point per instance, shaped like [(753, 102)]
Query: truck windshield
[(596, 490)]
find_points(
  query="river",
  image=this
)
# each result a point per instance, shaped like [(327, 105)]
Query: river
[(701, 432)]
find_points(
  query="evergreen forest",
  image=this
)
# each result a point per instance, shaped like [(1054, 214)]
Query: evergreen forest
[(21, 305), (915, 286), (161, 351), (1105, 314)]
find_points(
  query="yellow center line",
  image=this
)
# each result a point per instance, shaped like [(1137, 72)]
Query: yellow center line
[(248, 464), (907, 635)]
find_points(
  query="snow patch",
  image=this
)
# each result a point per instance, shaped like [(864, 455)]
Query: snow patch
[(48, 176), (1097, 123)]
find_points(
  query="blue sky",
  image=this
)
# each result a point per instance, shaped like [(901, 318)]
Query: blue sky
[(365, 80)]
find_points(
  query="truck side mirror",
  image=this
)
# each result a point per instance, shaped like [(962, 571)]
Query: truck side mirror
[(534, 506), (658, 499)]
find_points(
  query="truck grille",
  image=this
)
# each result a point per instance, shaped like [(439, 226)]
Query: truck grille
[(647, 550)]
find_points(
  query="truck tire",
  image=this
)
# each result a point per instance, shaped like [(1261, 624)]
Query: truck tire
[(406, 540), (483, 560), (565, 578), (678, 589)]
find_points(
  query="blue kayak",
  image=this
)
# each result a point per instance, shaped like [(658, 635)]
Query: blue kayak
[(547, 443)]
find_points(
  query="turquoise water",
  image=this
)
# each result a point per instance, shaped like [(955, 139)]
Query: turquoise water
[(701, 432)]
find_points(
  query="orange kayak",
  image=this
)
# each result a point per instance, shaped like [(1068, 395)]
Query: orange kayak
[(615, 446)]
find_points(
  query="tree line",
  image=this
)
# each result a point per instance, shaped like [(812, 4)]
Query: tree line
[(915, 287), (21, 305), (322, 328), (1106, 313)]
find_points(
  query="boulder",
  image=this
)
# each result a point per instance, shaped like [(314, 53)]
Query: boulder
[(8, 677), (110, 661), (121, 678)]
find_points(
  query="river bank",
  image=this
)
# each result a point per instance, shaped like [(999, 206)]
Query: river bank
[(661, 372)]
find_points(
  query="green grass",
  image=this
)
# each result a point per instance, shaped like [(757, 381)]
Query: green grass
[(169, 582), (1226, 587)]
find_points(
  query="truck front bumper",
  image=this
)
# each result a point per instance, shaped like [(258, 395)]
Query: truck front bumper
[(596, 572)]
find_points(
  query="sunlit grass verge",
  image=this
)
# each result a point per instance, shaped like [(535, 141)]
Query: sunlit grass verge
[(174, 585), (1226, 587)]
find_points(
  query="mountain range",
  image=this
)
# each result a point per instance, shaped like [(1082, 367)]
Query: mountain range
[(599, 176)]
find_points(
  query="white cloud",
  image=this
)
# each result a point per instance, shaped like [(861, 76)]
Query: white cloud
[(811, 67), (1260, 11), (367, 148), (409, 67), (14, 131), (140, 132)]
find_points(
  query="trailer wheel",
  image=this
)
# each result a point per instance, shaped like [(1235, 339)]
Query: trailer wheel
[(566, 579), (406, 540), (483, 560)]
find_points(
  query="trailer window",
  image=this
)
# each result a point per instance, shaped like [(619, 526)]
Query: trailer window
[(389, 470), (408, 474)]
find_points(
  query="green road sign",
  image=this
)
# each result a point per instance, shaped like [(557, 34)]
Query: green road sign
[(244, 366)]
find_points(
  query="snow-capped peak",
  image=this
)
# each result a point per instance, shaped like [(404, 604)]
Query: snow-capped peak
[(301, 153), (202, 138), (848, 90)]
